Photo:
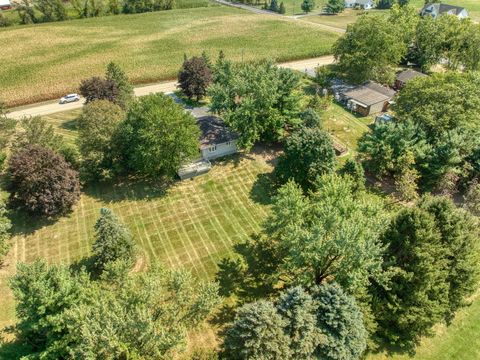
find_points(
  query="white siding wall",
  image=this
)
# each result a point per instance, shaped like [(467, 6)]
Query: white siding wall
[(218, 150)]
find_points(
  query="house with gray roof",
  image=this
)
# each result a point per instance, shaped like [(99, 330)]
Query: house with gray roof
[(369, 98), (437, 9), (406, 76), (5, 4)]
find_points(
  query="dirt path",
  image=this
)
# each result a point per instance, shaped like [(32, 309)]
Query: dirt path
[(308, 66)]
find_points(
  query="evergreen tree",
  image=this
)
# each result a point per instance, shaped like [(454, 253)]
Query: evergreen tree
[(311, 119), (407, 177), (282, 9), (334, 6), (113, 240), (341, 322), (300, 310), (125, 89), (308, 5), (460, 238), (354, 169), (273, 6), (258, 332), (418, 293)]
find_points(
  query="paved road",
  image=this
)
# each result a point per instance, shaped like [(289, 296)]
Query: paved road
[(308, 66)]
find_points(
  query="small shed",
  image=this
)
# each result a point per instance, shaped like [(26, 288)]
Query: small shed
[(405, 76), (217, 139), (370, 98)]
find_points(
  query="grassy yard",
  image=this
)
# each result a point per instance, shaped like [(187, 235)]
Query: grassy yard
[(345, 125), (341, 20), (192, 224), (45, 61)]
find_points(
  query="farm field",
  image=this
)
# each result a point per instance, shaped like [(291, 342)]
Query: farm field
[(46, 61)]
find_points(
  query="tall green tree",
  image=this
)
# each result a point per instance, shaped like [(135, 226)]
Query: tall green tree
[(257, 100), (308, 154), (43, 294), (125, 90), (307, 5), (354, 169), (341, 322), (257, 333), (156, 137), (334, 6), (97, 124), (370, 50), (460, 238), (417, 297), (300, 310), (407, 177), (113, 241)]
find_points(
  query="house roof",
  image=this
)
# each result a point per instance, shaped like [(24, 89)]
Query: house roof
[(214, 131), (370, 93), (444, 8), (409, 74), (363, 2)]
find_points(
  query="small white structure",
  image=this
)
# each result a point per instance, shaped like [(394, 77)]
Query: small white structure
[(364, 4), (437, 9)]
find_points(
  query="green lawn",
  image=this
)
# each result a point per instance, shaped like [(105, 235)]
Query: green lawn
[(192, 224), (45, 61), (346, 126), (341, 20)]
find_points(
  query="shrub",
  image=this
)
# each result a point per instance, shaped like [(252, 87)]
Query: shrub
[(42, 182)]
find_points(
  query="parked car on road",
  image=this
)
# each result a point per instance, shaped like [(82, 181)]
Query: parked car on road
[(69, 98)]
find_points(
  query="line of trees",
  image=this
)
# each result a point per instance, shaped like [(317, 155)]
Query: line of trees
[(37, 11), (375, 45)]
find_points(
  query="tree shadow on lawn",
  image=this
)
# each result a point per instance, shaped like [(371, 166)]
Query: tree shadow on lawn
[(24, 223), (71, 125), (263, 189), (13, 350), (132, 190)]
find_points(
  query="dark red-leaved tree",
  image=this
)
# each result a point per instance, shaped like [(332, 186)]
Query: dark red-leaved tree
[(195, 77), (42, 181), (96, 88)]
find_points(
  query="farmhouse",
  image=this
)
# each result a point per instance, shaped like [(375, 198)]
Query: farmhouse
[(216, 140), (437, 9), (369, 98), (5, 5), (405, 76), (364, 4)]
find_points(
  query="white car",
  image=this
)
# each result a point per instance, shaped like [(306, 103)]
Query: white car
[(69, 98)]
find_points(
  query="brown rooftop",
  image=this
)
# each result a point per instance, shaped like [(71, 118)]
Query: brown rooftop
[(370, 93), (408, 75), (214, 131)]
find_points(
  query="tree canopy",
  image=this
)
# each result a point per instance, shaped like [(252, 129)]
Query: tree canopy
[(64, 314), (156, 137), (369, 50), (257, 100), (97, 125), (194, 77), (308, 154), (42, 182)]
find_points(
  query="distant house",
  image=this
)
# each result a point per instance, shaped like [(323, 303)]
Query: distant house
[(367, 99), (364, 4), (436, 9), (5, 5), (405, 76), (216, 140)]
